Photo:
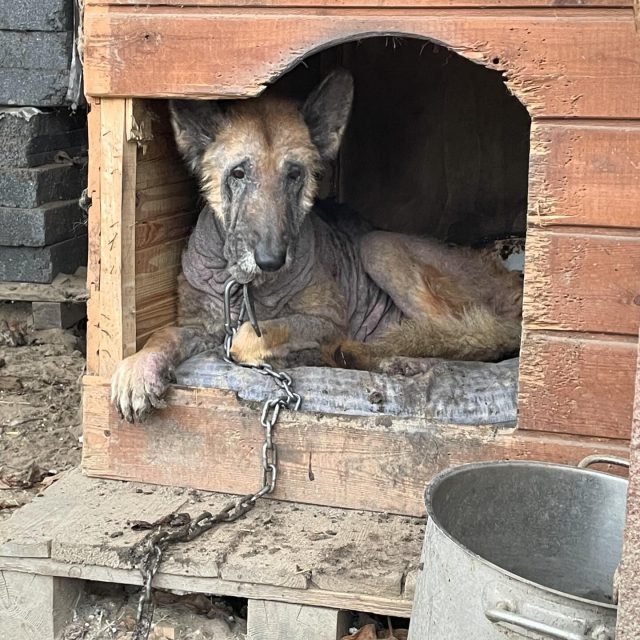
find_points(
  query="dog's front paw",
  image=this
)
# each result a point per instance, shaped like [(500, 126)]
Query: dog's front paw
[(139, 383), (248, 348)]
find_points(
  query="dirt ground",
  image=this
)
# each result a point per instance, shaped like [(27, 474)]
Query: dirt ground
[(40, 421), (41, 436)]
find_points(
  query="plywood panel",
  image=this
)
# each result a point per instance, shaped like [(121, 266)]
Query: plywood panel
[(578, 385), (585, 174), (582, 281), (573, 65), (207, 439)]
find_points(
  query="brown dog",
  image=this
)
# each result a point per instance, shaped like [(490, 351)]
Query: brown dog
[(360, 295)]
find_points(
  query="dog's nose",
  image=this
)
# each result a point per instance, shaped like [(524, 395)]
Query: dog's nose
[(270, 259)]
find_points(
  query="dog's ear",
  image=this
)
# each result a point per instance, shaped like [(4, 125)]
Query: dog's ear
[(327, 110), (195, 124)]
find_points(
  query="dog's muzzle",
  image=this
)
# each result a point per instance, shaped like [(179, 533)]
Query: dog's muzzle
[(270, 257)]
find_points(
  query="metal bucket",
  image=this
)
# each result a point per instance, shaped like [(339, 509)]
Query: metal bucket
[(520, 550)]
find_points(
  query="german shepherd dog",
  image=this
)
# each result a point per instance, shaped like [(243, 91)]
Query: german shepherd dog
[(350, 295)]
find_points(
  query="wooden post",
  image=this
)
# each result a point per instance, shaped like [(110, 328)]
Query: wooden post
[(35, 607), (282, 621), (117, 234)]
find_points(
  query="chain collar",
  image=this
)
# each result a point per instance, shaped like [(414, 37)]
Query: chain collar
[(181, 527)]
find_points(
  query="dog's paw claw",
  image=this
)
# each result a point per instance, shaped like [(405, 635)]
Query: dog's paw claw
[(139, 383)]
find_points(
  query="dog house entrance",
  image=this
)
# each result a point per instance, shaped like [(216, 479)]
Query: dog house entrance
[(436, 146)]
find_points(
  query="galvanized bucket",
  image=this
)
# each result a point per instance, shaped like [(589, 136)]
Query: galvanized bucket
[(520, 550)]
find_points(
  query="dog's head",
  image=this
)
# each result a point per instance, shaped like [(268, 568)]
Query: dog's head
[(258, 162)]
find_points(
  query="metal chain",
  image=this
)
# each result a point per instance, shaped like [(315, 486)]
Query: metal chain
[(180, 527)]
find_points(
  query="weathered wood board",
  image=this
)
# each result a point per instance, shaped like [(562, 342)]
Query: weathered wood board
[(292, 553), (577, 384), (210, 440), (582, 280), (585, 173), (117, 235), (575, 64)]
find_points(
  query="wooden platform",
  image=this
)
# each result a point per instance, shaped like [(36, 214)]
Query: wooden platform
[(280, 552)]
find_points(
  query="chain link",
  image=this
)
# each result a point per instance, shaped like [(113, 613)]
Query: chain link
[(180, 527)]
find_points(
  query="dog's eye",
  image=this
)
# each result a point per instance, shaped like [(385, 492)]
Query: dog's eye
[(238, 173), (294, 173)]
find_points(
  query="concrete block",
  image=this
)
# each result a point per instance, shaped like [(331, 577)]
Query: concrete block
[(57, 315), (36, 15), (30, 137), (37, 87), (32, 187), (42, 264), (36, 50), (41, 226)]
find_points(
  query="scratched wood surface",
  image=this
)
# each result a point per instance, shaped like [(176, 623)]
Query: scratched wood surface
[(299, 547), (580, 384), (208, 439), (585, 174), (581, 279), (573, 64), (93, 231), (116, 315)]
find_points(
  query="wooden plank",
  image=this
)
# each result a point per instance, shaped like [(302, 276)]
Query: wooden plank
[(280, 621), (117, 237), (577, 385), (215, 586), (165, 199), (93, 229), (585, 174), (163, 230), (155, 314), (595, 55), (157, 269), (582, 281), (369, 3), (302, 548), (35, 606), (208, 439)]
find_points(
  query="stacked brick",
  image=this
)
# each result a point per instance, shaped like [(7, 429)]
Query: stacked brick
[(43, 144)]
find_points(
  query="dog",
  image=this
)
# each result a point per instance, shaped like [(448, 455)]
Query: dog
[(324, 283)]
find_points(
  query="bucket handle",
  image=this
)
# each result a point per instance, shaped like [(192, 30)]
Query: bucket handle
[(602, 459), (502, 613)]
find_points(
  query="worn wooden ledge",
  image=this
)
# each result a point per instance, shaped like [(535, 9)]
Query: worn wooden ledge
[(280, 552), (209, 439), (64, 288)]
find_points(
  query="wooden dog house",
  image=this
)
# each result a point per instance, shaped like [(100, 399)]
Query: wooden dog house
[(560, 157), (576, 69)]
